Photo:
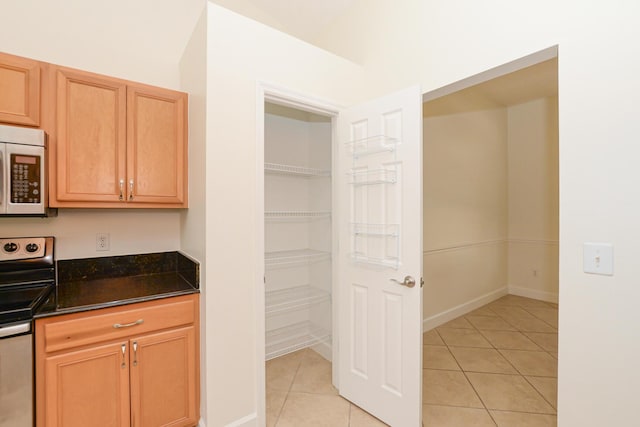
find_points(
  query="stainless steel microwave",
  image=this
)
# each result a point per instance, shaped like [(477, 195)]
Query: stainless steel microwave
[(23, 182)]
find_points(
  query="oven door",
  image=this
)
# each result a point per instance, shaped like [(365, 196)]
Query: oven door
[(16, 375), (26, 180)]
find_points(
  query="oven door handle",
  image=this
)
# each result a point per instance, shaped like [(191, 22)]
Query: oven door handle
[(21, 328)]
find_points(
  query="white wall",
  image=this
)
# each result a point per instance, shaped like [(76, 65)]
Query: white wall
[(193, 73), (465, 212), (533, 198), (436, 43), (490, 207), (241, 52), (140, 41), (139, 231)]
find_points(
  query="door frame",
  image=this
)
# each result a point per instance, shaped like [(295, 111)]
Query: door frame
[(276, 94)]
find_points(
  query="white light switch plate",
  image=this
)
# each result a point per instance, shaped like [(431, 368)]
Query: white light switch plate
[(598, 258)]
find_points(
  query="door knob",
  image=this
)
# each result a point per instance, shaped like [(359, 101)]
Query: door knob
[(409, 282)]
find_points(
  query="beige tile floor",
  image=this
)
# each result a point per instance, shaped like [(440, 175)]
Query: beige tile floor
[(495, 366)]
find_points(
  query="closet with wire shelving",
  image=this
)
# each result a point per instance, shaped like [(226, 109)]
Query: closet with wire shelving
[(298, 231)]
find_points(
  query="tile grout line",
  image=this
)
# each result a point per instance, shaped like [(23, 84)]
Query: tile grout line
[(469, 380), (467, 377), (537, 317), (541, 395), (286, 398), (541, 349)]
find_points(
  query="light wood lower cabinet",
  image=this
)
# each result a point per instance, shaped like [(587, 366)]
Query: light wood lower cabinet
[(136, 365), (88, 387), (162, 373)]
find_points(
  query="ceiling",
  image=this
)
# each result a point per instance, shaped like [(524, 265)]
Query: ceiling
[(304, 19), (537, 81)]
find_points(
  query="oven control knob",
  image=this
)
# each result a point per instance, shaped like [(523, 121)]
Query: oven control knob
[(31, 247), (10, 247)]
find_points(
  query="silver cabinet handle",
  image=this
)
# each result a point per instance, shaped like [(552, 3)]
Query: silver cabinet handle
[(135, 353), (131, 189), (121, 197), (124, 350), (409, 282), (128, 325)]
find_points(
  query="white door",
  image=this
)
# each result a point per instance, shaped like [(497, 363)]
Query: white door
[(379, 184)]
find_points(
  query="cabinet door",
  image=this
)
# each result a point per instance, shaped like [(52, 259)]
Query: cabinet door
[(88, 387), (156, 146), (19, 90), (91, 137), (164, 386)]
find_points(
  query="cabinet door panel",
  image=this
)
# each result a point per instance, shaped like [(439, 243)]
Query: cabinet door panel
[(20, 90), (88, 388), (163, 379), (156, 150), (91, 143)]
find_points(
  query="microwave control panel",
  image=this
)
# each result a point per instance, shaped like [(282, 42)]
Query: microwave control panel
[(26, 182)]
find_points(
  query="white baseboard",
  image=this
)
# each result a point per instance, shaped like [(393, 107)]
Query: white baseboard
[(533, 293), (246, 421), (323, 349), (201, 423), (441, 318)]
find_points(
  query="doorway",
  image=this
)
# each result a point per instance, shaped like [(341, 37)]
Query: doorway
[(379, 314), (491, 244)]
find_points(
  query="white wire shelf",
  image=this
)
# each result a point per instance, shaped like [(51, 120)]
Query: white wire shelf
[(294, 337), (295, 215), (275, 168), (377, 230), (376, 176), (280, 259), (380, 262), (286, 300), (372, 145)]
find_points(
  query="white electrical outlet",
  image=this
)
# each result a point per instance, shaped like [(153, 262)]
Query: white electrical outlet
[(102, 242)]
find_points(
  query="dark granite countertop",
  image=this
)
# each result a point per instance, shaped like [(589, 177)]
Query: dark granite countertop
[(94, 283)]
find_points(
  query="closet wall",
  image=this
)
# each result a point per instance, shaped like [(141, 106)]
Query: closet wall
[(297, 231), (490, 207)]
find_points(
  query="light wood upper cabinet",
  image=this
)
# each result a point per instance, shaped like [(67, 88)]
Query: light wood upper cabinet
[(19, 90), (90, 137), (156, 145), (117, 143), (143, 372)]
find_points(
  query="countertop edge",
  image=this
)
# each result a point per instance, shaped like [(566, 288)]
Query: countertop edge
[(117, 303)]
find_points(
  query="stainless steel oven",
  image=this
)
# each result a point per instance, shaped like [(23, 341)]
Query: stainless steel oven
[(27, 278), (23, 181), (16, 375)]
